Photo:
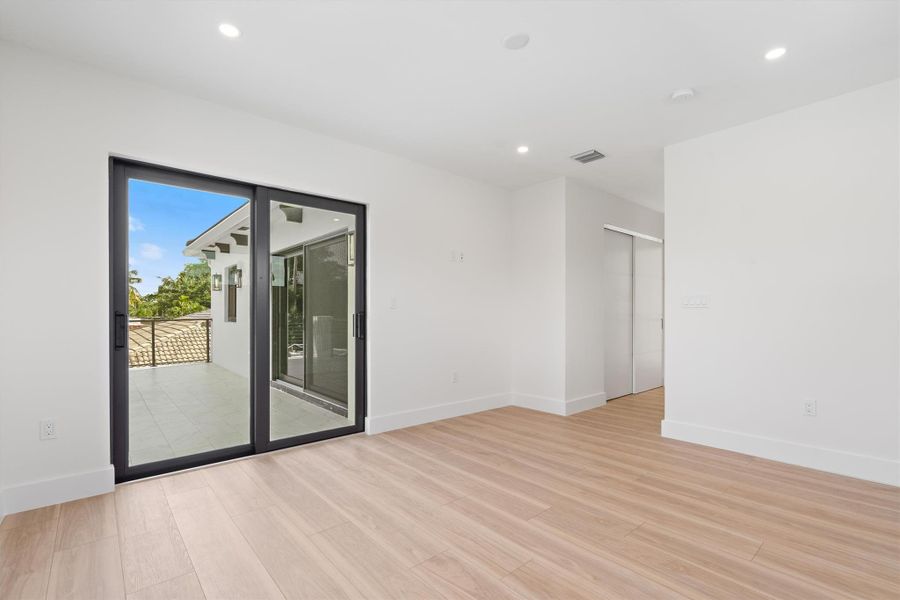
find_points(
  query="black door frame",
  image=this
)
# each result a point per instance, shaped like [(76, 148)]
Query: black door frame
[(260, 198)]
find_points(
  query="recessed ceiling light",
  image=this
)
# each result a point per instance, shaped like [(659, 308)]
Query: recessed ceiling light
[(516, 41), (522, 149), (682, 95), (335, 219), (229, 30), (775, 53)]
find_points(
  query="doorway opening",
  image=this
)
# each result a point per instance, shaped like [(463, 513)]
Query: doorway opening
[(633, 312), (237, 318)]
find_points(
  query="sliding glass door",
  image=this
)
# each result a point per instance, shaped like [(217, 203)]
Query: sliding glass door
[(314, 304), (244, 338)]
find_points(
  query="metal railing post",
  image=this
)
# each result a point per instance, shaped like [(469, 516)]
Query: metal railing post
[(153, 342), (207, 339)]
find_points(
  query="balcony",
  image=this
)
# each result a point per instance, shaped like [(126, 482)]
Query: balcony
[(154, 342), (181, 402)]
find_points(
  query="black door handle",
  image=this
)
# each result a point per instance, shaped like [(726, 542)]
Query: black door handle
[(359, 325), (121, 330)]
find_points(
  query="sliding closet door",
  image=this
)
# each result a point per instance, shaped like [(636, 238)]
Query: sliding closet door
[(648, 315), (618, 307)]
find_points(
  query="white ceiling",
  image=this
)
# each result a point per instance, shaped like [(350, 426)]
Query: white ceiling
[(431, 81)]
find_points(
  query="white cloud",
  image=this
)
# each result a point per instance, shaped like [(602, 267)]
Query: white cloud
[(151, 251), (134, 224)]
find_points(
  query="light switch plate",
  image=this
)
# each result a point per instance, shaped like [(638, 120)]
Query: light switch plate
[(695, 301)]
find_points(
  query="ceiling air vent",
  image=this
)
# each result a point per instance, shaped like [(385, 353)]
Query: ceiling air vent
[(588, 156)]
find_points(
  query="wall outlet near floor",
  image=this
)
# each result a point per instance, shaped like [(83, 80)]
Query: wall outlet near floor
[(48, 429), (809, 408), (454, 377)]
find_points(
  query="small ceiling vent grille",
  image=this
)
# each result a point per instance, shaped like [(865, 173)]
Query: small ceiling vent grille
[(588, 156)]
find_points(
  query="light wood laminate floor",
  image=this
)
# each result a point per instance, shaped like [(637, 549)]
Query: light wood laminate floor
[(508, 503)]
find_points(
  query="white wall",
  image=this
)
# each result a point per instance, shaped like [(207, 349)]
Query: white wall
[(558, 278), (230, 340), (539, 295), (790, 225), (58, 124)]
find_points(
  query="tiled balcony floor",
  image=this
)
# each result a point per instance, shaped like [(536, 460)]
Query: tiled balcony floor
[(185, 409)]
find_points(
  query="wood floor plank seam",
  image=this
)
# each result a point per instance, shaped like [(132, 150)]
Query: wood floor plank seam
[(164, 581), (193, 566)]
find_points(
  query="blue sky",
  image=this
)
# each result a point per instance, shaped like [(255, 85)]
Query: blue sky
[(161, 219)]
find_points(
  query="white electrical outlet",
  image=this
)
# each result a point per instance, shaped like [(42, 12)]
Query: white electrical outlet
[(809, 408), (454, 377), (48, 429)]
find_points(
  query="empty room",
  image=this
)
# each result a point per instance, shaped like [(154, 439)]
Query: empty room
[(513, 299)]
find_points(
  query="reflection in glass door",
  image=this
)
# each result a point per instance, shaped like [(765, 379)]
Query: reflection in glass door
[(313, 303), (287, 318), (327, 318)]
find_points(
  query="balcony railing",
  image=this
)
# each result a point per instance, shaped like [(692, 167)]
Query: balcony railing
[(154, 342)]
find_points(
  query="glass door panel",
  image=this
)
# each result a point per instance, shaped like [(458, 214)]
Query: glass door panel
[(182, 320), (327, 317), (313, 303)]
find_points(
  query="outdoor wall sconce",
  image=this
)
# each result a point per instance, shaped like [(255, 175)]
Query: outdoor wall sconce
[(217, 282), (235, 277)]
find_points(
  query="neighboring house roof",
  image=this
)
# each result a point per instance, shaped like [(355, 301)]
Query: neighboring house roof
[(176, 341), (206, 314)]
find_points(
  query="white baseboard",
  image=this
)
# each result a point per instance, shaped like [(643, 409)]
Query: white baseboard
[(557, 406), (871, 468), (554, 406), (577, 405), (36, 494), (428, 414), (82, 485)]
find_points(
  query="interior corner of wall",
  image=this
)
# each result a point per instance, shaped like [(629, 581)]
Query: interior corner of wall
[(554, 406), (583, 403)]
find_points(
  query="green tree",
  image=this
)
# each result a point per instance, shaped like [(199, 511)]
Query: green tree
[(184, 294), (134, 296)]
